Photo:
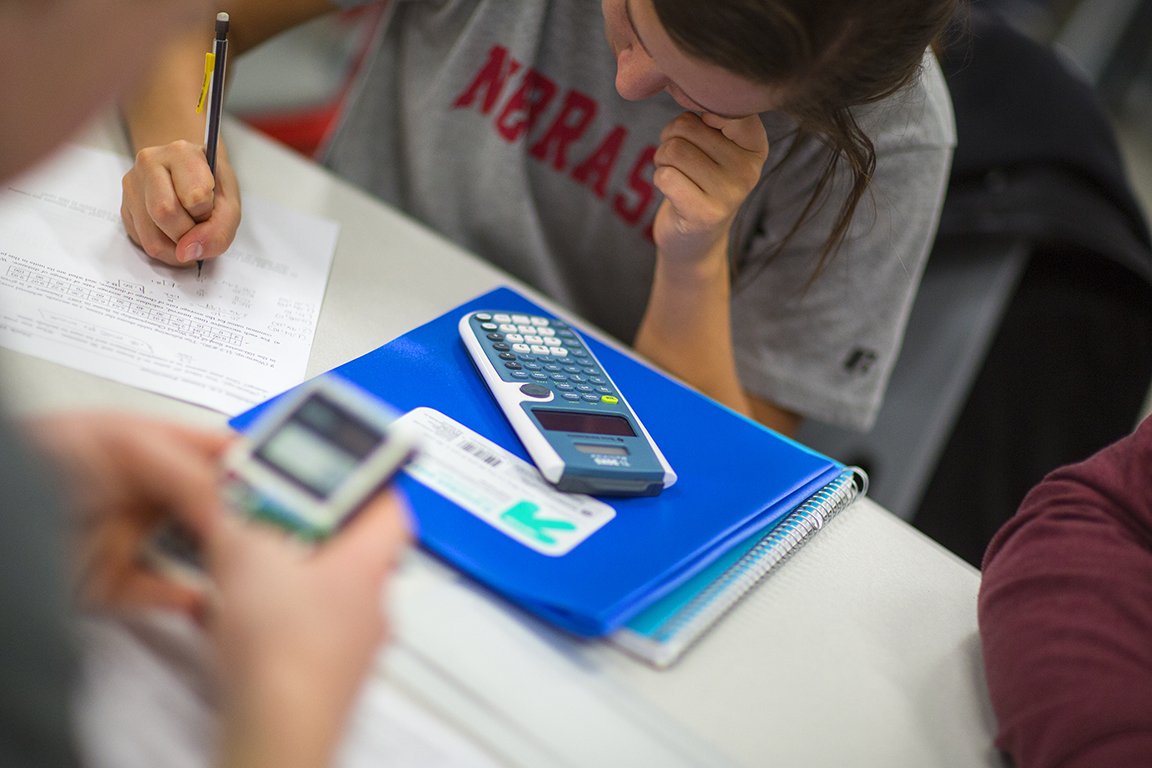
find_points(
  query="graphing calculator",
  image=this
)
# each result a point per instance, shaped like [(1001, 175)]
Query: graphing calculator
[(306, 465), (572, 419)]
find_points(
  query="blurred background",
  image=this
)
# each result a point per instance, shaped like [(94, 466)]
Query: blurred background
[(977, 410)]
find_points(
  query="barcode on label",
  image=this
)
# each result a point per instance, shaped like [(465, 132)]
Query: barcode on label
[(481, 453)]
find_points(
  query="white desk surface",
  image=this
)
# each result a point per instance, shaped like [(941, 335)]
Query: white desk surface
[(863, 650)]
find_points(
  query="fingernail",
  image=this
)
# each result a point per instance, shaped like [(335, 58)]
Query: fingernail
[(194, 252)]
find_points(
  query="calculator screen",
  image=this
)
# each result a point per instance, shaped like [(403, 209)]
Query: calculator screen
[(318, 446), (584, 423)]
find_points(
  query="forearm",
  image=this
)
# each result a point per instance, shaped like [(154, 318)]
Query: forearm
[(281, 723), (162, 109), (686, 328)]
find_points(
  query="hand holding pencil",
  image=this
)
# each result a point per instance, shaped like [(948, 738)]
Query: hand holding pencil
[(182, 201)]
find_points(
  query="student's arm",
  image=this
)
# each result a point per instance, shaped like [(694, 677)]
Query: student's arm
[(1065, 613), (169, 206), (705, 166)]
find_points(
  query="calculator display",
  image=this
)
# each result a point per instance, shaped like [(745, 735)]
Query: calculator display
[(319, 446), (583, 423)]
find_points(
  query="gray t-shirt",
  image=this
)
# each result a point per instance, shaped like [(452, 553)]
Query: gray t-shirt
[(497, 123)]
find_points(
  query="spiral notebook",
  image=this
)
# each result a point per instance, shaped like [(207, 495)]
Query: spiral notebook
[(661, 633), (738, 480)]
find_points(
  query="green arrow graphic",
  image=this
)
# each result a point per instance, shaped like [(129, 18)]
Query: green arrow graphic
[(522, 516)]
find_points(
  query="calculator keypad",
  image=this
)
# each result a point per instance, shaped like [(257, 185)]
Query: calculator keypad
[(546, 353)]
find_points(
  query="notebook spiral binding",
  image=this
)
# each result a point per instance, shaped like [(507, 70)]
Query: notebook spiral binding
[(773, 550)]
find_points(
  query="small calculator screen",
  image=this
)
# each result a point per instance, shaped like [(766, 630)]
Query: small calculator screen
[(584, 423), (319, 446)]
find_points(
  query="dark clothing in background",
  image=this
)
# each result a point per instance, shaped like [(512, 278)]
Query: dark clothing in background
[(37, 659), (1066, 615), (1067, 372)]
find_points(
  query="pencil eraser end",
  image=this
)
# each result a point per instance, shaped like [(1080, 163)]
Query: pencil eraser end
[(221, 16)]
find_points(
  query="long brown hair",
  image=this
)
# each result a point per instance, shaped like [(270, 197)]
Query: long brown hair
[(827, 56)]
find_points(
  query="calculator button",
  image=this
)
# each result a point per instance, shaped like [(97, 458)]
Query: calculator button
[(591, 398), (584, 387), (521, 319), (495, 337), (559, 377), (597, 380), (559, 324), (507, 356), (520, 348), (571, 369), (575, 352), (501, 347), (571, 397), (532, 339), (609, 400), (527, 358), (576, 377), (535, 390), (545, 331), (540, 376), (604, 390), (502, 318), (558, 352), (515, 338), (552, 367), (572, 343), (541, 321), (513, 366), (545, 358), (482, 316), (519, 375), (540, 349), (531, 366), (526, 328), (563, 386), (488, 326), (506, 328), (551, 341), (566, 334), (591, 371)]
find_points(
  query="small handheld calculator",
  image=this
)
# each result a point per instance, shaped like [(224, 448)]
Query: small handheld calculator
[(572, 419), (307, 465)]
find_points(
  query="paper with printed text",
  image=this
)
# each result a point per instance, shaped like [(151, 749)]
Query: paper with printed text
[(75, 290)]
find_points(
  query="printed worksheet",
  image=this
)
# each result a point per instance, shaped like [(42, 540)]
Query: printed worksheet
[(75, 290)]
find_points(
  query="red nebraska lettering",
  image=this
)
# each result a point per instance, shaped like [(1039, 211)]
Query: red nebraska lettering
[(640, 185), (530, 99), (599, 164), (576, 114), (491, 80)]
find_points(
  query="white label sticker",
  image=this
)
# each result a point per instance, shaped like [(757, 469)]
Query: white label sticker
[(499, 487)]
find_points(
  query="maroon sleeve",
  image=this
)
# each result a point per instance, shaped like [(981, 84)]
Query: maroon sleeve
[(1066, 615)]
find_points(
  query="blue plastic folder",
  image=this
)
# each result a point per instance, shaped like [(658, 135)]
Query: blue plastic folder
[(736, 478)]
